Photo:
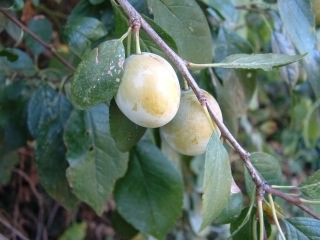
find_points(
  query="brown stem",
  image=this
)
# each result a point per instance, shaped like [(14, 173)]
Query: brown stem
[(182, 66), (50, 48), (12, 228), (294, 200)]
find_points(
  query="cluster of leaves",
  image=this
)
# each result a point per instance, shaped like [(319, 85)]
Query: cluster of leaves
[(87, 151)]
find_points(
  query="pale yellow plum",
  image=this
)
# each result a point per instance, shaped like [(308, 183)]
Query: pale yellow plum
[(190, 130), (149, 91)]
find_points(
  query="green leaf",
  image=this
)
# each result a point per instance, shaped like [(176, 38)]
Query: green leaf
[(302, 228), (97, 77), (311, 129), (17, 5), (95, 162), (268, 167), (225, 8), (76, 231), (81, 33), (243, 227), (7, 164), (280, 44), (147, 45), (3, 22), (23, 64), (51, 161), (299, 23), (14, 5), (311, 186), (45, 104), (186, 23), (258, 30), (122, 227), (50, 150), (13, 101), (232, 210), (14, 31), (150, 195), (100, 11), (312, 66), (216, 182), (124, 132), (95, 2), (257, 61), (238, 86), (9, 55), (43, 28)]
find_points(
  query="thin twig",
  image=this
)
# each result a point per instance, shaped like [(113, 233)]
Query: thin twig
[(294, 200), (182, 66), (40, 221), (50, 48), (12, 228)]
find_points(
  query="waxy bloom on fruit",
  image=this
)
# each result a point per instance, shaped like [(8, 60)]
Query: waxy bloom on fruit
[(149, 92), (190, 130)]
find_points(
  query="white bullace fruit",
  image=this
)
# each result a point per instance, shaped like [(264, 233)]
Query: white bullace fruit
[(149, 91), (190, 130)]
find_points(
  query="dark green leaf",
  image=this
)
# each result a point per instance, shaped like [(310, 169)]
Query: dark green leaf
[(17, 5), (3, 22), (9, 55), (312, 66), (258, 61), (82, 32), (311, 186), (232, 210), (243, 228), (234, 96), (229, 42), (225, 7), (76, 231), (280, 44), (95, 162), (12, 4), (97, 77), (311, 128), (246, 231), (258, 30), (122, 227), (268, 167), (124, 132), (13, 101), (50, 155), (14, 31), (150, 195), (22, 65), (216, 181), (95, 2), (147, 45), (7, 163), (44, 105), (43, 28), (299, 23), (84, 9), (238, 86), (302, 228), (186, 23), (36, 2)]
